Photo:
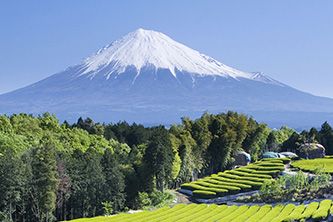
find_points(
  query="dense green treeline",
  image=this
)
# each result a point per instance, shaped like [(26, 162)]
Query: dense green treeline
[(51, 171)]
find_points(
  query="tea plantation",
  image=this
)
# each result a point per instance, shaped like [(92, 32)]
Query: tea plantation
[(242, 179), (317, 211), (321, 164), (247, 178)]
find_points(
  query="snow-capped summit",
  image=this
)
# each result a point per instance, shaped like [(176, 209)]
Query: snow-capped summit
[(150, 48)]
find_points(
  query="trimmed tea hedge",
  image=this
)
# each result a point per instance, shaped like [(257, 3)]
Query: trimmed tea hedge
[(284, 160), (324, 164), (322, 212), (238, 180), (211, 212)]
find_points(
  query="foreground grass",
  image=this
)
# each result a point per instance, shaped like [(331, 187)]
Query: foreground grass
[(317, 211), (323, 164)]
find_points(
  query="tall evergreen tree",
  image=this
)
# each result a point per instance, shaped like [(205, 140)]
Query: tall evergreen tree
[(158, 159), (44, 182), (326, 137), (114, 186), (11, 184)]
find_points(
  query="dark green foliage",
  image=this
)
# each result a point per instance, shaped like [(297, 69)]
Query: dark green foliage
[(326, 138), (158, 160), (114, 186), (202, 194), (44, 181), (11, 185)]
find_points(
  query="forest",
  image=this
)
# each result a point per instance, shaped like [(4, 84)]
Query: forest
[(54, 171)]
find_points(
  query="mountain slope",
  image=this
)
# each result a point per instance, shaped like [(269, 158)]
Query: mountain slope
[(147, 77)]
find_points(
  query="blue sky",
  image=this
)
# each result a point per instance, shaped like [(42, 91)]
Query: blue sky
[(292, 41)]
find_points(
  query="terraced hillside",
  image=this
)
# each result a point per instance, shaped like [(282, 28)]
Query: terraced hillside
[(317, 211), (242, 179)]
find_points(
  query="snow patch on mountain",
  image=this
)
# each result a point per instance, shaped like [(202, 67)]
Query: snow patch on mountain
[(143, 48), (261, 77)]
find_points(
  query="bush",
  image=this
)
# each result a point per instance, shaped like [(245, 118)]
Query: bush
[(253, 184), (231, 189), (312, 165), (270, 164), (284, 160), (143, 200), (296, 214), (322, 212), (267, 172), (272, 214), (233, 183), (239, 173), (310, 209), (260, 213), (284, 213), (272, 188), (202, 194)]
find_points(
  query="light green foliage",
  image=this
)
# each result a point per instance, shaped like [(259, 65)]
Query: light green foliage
[(273, 213), (287, 210), (325, 164), (283, 187), (277, 137), (260, 213), (297, 182), (239, 211), (203, 194), (310, 209), (296, 214), (213, 213), (322, 212), (271, 188), (107, 207), (153, 200), (244, 216), (144, 200), (238, 180)]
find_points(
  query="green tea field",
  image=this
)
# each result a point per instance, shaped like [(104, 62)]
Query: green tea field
[(317, 211)]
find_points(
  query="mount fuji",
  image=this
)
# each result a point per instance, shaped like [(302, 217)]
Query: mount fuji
[(149, 78)]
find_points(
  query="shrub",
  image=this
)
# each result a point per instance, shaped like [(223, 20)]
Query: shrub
[(270, 164), (322, 212), (253, 184), (297, 182), (296, 214), (272, 188), (251, 211), (202, 194), (239, 211), (260, 213), (312, 165), (272, 160), (239, 173), (233, 183), (266, 168), (310, 209), (284, 213), (272, 214), (253, 171)]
